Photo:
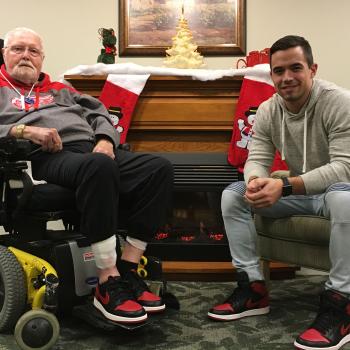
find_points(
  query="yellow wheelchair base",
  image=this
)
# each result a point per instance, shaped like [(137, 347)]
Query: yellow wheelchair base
[(31, 298), (34, 282)]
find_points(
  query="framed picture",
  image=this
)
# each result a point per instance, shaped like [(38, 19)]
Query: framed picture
[(146, 27)]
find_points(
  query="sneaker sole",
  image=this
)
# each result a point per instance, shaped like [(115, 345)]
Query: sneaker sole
[(118, 319), (154, 309), (253, 312), (345, 340)]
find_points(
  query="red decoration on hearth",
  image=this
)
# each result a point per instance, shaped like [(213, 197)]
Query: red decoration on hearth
[(161, 235), (216, 236), (187, 238)]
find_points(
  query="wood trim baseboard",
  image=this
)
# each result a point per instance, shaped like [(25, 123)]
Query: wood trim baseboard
[(217, 271)]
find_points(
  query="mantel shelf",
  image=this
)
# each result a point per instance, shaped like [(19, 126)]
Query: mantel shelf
[(175, 112)]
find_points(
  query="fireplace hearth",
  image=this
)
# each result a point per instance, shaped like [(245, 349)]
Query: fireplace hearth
[(195, 230)]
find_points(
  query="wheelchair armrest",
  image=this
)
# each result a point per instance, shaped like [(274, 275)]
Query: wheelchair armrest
[(13, 153), (13, 150)]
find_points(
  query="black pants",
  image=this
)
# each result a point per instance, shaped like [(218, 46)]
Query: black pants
[(133, 191)]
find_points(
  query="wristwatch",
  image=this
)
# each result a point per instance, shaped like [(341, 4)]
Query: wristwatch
[(19, 131), (287, 188)]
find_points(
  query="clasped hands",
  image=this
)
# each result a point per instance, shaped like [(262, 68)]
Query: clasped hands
[(263, 192)]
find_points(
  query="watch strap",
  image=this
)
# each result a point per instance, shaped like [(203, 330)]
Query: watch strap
[(19, 131), (287, 188)]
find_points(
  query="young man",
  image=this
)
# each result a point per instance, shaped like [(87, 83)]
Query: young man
[(308, 121), (79, 150)]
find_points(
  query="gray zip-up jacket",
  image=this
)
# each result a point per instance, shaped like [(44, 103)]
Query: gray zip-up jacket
[(77, 117), (314, 142)]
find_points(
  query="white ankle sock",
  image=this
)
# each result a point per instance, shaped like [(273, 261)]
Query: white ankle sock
[(136, 243), (105, 253)]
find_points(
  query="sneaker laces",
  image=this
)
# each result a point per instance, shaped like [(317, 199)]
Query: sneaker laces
[(238, 293), (118, 289), (327, 317), (135, 283)]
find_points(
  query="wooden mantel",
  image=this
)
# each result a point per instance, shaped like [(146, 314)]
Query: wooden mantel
[(177, 114)]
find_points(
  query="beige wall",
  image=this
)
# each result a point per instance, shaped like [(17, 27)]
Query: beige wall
[(69, 28)]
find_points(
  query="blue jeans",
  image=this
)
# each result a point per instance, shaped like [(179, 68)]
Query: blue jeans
[(333, 204)]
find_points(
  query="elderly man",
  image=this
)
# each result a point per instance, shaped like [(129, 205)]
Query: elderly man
[(79, 150)]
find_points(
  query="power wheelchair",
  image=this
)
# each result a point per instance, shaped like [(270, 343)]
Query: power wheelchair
[(43, 272)]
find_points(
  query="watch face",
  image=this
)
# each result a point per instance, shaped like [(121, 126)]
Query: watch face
[(20, 130)]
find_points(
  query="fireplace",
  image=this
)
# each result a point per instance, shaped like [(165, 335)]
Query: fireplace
[(195, 229), (182, 114)]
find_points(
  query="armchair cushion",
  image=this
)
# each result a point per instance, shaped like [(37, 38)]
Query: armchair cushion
[(300, 240), (303, 229)]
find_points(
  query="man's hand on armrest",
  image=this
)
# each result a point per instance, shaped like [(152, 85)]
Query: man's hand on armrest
[(48, 138), (105, 146)]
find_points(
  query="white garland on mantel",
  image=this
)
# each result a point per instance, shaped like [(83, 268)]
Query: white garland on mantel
[(260, 72)]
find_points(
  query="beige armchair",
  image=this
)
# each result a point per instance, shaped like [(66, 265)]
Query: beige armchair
[(300, 240), (297, 240)]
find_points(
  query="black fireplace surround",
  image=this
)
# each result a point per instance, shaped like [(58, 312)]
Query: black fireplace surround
[(195, 230)]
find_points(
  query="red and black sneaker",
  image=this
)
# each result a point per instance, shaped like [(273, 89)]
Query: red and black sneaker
[(151, 303), (116, 302), (331, 328), (248, 299)]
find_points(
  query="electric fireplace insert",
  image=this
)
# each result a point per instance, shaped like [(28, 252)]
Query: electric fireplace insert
[(195, 229)]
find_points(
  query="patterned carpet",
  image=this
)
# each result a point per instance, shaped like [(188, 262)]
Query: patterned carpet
[(293, 306)]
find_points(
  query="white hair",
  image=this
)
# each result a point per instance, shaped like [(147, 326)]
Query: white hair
[(13, 32)]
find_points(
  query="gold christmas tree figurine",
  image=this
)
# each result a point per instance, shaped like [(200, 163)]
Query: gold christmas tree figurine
[(183, 53)]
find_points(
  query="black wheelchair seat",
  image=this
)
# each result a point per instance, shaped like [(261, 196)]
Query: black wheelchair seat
[(50, 198), (47, 202)]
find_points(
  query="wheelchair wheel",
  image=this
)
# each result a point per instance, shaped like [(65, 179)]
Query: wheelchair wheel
[(37, 329), (13, 290)]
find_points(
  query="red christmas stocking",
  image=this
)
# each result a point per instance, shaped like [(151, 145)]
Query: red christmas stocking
[(254, 90), (119, 95)]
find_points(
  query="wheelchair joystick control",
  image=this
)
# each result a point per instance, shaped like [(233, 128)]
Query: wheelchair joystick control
[(50, 298)]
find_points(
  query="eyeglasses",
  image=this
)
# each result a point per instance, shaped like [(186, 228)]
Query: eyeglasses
[(20, 50)]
